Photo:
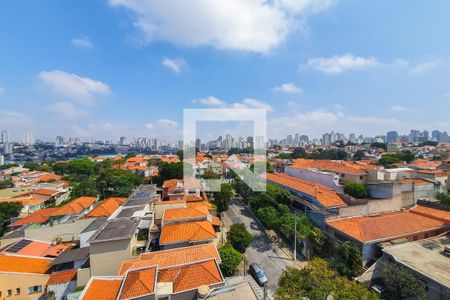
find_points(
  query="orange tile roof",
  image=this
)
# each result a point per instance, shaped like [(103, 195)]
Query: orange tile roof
[(190, 232), (415, 181), (170, 159), (172, 257), (185, 213), (386, 226), (25, 200), (105, 208), (173, 184), (38, 217), (62, 277), (37, 248), (138, 283), (192, 198), (24, 264), (324, 195), (216, 221), (162, 202), (45, 192), (338, 166), (102, 288), (191, 276), (208, 205), (438, 214), (425, 163), (49, 176)]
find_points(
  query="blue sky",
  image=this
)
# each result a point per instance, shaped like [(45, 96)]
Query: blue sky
[(126, 67)]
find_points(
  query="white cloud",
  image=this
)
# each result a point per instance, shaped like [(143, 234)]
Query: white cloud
[(167, 123), (2, 90), (338, 64), (74, 86), (293, 105), (418, 69), (338, 107), (210, 101), (149, 126), (66, 110), (249, 25), (399, 108), (252, 103), (175, 65), (82, 42), (288, 88)]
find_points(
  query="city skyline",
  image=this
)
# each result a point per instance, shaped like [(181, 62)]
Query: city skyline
[(107, 75)]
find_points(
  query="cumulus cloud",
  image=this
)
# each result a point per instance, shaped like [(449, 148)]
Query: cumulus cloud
[(338, 64), (74, 86), (66, 110), (81, 42), (175, 65), (249, 25), (167, 123), (210, 101), (399, 108), (289, 88), (252, 103), (421, 68)]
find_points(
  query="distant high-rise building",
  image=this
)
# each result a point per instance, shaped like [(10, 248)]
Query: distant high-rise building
[(59, 140), (440, 137), (391, 136), (414, 136), (4, 137), (2, 160), (123, 140), (28, 138), (326, 139), (352, 138)]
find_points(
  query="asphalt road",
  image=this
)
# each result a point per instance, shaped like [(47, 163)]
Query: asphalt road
[(262, 250)]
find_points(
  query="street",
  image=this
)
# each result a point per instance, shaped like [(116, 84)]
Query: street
[(262, 250)]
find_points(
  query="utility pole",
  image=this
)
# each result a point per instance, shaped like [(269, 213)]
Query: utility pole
[(295, 238)]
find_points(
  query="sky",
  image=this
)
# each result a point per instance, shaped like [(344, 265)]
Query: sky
[(105, 69)]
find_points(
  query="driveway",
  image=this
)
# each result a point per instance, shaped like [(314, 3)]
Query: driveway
[(262, 250)]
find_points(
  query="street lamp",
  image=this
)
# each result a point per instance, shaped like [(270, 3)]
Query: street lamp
[(295, 238)]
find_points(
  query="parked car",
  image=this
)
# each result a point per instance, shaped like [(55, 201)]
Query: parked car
[(257, 272)]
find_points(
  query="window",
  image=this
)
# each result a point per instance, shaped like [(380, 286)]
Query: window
[(34, 289), (9, 294), (361, 177), (17, 291)]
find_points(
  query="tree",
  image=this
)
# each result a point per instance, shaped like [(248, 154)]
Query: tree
[(231, 258), (6, 184), (444, 198), (298, 152), (359, 155), (348, 260), (378, 145), (280, 195), (388, 160), (317, 281), (269, 168), (222, 199), (8, 211), (180, 154), (357, 190), (401, 282), (269, 216), (239, 237)]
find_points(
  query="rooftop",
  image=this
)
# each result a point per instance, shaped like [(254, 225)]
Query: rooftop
[(190, 232), (138, 283), (34, 248), (426, 257), (62, 277), (72, 255), (337, 166), (391, 225), (142, 195), (185, 213), (115, 229), (24, 264), (105, 288), (106, 207), (172, 257), (326, 196), (128, 212)]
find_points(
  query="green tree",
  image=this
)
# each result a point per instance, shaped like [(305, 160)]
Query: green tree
[(348, 259), (388, 160), (8, 211), (5, 184), (298, 152), (357, 190), (359, 155), (444, 198), (239, 237), (378, 145), (180, 154), (231, 258), (269, 216), (269, 168), (222, 199), (401, 282), (317, 281), (280, 195)]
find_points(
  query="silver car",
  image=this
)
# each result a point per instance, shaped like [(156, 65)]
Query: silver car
[(257, 272)]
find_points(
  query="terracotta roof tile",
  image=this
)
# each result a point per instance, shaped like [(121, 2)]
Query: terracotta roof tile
[(24, 264), (338, 166), (36, 248), (105, 208), (438, 214), (191, 276), (172, 257), (324, 195), (386, 226), (190, 232), (185, 213), (138, 283), (62, 277), (102, 288)]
